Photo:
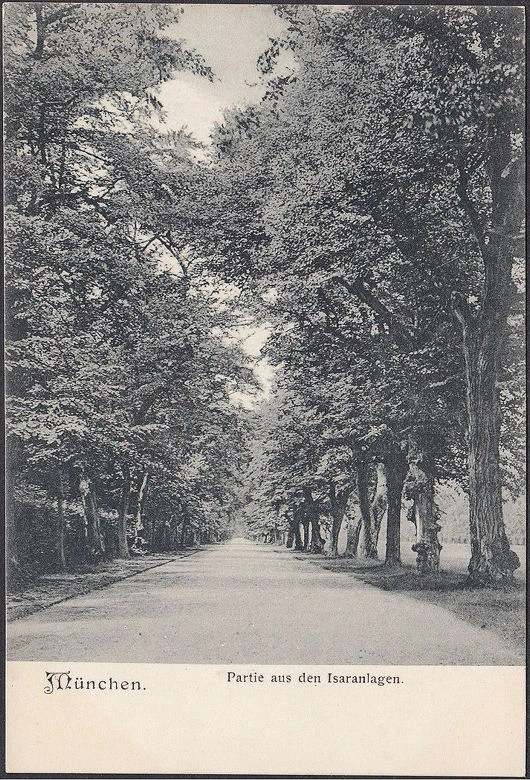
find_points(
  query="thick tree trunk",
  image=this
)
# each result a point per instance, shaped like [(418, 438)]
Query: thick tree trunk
[(336, 524), (123, 512), (353, 533), (492, 560), (396, 469), (298, 544), (178, 532), (311, 509), (368, 546), (61, 558), (173, 525), (166, 535), (93, 536), (184, 533), (420, 487), (380, 501)]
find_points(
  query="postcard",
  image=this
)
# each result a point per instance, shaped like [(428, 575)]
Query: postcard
[(265, 389)]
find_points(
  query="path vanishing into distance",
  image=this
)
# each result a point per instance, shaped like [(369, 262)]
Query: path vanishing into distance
[(250, 604)]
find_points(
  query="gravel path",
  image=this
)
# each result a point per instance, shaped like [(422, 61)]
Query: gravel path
[(247, 603)]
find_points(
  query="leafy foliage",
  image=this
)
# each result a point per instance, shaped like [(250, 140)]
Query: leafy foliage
[(120, 371), (373, 168)]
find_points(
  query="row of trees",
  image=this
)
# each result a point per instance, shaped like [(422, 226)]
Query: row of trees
[(378, 221), (120, 370), (368, 212)]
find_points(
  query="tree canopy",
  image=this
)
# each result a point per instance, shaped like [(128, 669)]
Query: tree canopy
[(387, 173), (367, 213), (120, 369)]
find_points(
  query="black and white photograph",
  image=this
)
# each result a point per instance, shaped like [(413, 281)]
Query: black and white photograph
[(265, 343)]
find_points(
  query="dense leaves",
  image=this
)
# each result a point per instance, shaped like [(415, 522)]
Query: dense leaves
[(387, 172), (122, 429), (367, 213)]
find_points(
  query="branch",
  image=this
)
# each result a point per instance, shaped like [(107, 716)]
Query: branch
[(148, 243), (60, 13), (462, 310), (341, 441), (166, 242), (403, 335)]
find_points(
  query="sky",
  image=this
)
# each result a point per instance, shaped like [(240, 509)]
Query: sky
[(230, 38)]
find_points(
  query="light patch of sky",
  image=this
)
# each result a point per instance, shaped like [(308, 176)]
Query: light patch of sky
[(252, 340), (230, 38)]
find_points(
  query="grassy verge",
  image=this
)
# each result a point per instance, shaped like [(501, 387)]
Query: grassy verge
[(501, 610), (50, 589)]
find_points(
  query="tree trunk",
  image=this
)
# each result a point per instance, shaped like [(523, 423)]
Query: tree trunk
[(380, 501), (123, 511), (368, 544), (173, 522), (151, 531), (12, 538), (311, 509), (338, 501), (93, 537), (39, 44), (492, 560), (184, 532), (420, 487), (298, 544), (61, 558), (336, 524), (396, 469), (303, 520), (166, 535), (142, 496), (353, 531), (178, 532)]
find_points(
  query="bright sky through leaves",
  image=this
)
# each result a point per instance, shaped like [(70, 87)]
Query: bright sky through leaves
[(230, 38)]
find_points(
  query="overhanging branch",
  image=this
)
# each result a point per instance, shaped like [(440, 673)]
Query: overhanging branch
[(402, 333)]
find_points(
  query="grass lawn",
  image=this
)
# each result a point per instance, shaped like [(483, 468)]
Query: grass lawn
[(35, 595)]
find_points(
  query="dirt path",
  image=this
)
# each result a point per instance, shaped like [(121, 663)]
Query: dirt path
[(244, 603)]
